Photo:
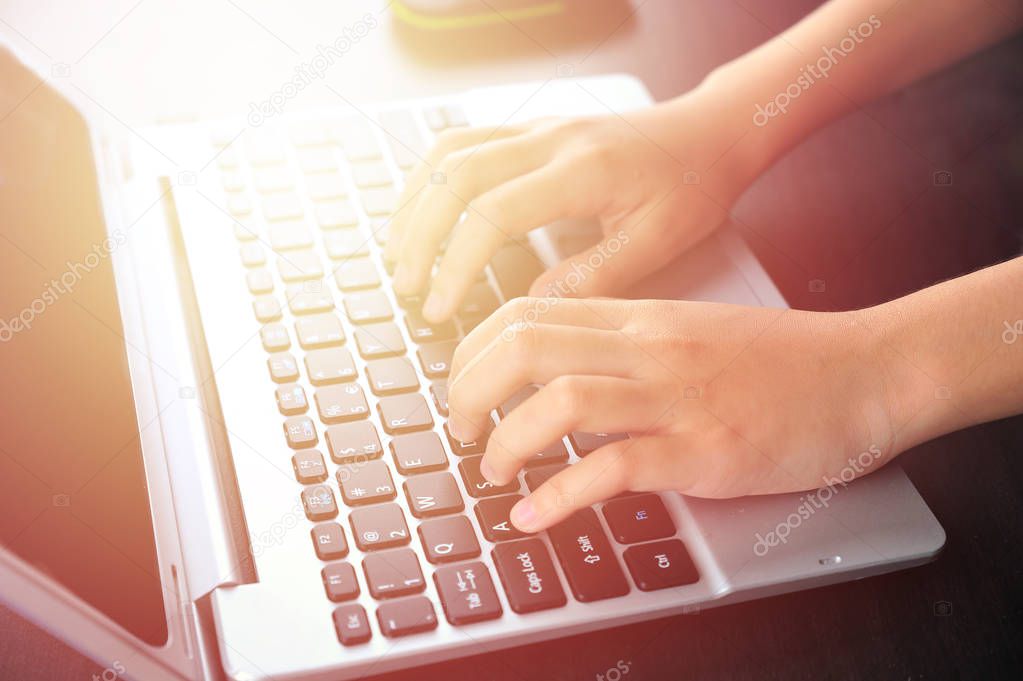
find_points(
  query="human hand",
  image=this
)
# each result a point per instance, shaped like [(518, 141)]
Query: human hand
[(720, 400)]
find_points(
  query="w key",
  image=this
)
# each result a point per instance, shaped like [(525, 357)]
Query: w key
[(433, 494)]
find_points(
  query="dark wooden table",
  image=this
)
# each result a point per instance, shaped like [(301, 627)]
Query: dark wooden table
[(856, 206)]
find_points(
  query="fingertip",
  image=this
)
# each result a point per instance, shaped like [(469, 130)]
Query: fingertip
[(524, 515), (436, 309)]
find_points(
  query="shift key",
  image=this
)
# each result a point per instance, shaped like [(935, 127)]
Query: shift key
[(587, 559)]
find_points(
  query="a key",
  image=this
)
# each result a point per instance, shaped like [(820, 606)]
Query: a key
[(319, 331), (527, 574), (299, 266), (585, 443), (367, 307), (638, 518), (515, 266), (340, 582), (329, 541), (300, 432), (291, 399), (354, 442), (345, 243), (439, 393), (328, 185), (493, 516), (352, 625), (407, 616), (478, 486), (378, 201), (274, 337), (273, 179), (259, 281), (448, 540), (379, 527), (329, 365), (393, 573), (317, 160), (423, 332), (538, 476), (586, 558), (459, 448), (467, 593), (379, 340), (286, 206), (404, 413), (335, 214), (319, 503), (312, 297), (435, 358), (391, 376), (480, 300), (367, 483), (340, 403), (661, 565), (520, 396), (372, 174), (420, 452), (355, 274), (267, 309), (309, 467), (283, 367), (433, 494)]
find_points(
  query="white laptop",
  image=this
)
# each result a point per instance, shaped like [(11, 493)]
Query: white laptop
[(223, 451)]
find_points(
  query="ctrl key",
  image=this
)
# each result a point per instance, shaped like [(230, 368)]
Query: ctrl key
[(407, 616), (661, 565), (352, 625)]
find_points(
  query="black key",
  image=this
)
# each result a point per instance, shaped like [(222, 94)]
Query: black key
[(368, 483), (538, 476), (393, 573), (439, 393), (459, 448), (379, 527), (527, 574), (367, 307), (283, 367), (267, 309), (329, 541), (319, 331), (319, 503), (435, 358), (340, 403), (300, 432), (299, 266), (478, 486), (340, 582), (405, 413), (424, 332), (586, 558), (355, 442), (407, 616), (584, 443), (448, 540), (493, 517), (515, 267), (553, 453), (291, 399), (345, 243), (638, 518), (379, 340), (309, 466), (479, 300), (352, 625), (392, 375), (312, 297), (274, 337), (354, 274), (520, 396), (259, 281), (467, 593), (329, 365), (433, 494), (420, 452), (661, 565)]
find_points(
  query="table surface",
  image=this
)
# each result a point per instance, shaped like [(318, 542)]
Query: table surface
[(854, 206)]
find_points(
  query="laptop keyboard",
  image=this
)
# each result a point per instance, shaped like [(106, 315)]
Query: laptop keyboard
[(351, 375)]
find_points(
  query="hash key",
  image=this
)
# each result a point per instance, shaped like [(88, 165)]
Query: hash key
[(369, 483)]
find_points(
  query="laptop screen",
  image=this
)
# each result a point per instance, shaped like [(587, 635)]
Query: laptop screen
[(73, 496)]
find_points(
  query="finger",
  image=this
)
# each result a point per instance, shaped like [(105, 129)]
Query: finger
[(595, 404)]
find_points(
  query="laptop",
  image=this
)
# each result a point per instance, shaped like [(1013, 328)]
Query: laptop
[(224, 454)]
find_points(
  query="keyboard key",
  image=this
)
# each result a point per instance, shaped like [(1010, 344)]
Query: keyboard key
[(380, 229), (527, 574), (252, 255), (433, 494), (448, 540), (309, 467), (265, 150), (352, 625), (291, 399), (317, 160), (435, 119), (259, 281), (367, 307), (467, 593), (312, 297), (329, 365), (516, 267), (319, 503), (266, 309), (407, 616), (300, 432), (379, 340), (520, 396), (393, 573), (638, 518), (283, 367), (459, 448), (233, 181), (299, 266), (319, 331), (538, 476), (249, 229), (355, 135), (586, 558), (366, 483), (585, 443), (355, 274), (371, 174), (345, 243), (439, 393), (379, 201), (476, 485), (282, 207), (329, 541), (420, 452), (379, 527), (327, 185), (493, 516), (479, 300), (239, 205), (423, 332), (435, 358), (310, 133), (405, 413), (273, 179), (340, 582), (392, 375), (340, 403), (553, 453), (661, 565), (274, 337), (455, 116), (354, 442), (335, 214)]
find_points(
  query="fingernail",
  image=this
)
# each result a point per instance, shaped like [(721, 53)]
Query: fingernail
[(523, 515), (488, 471), (433, 308)]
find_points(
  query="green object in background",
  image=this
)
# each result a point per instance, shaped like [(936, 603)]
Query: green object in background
[(434, 15)]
